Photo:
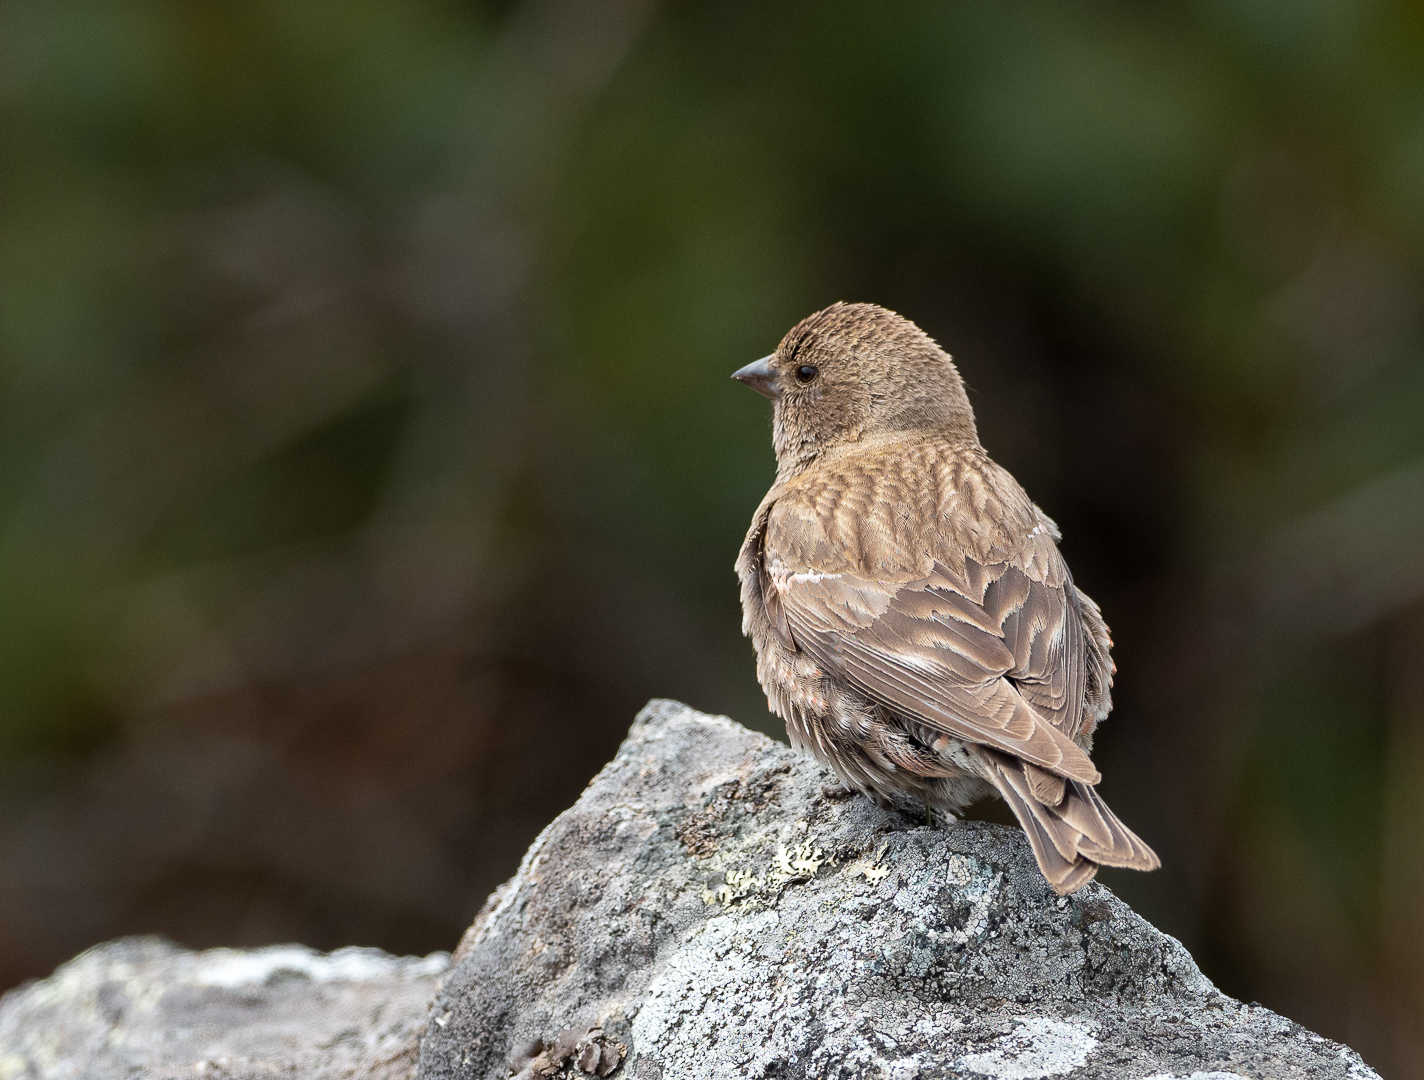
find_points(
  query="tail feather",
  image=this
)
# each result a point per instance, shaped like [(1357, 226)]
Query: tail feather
[(1071, 837), (1047, 787), (1087, 813)]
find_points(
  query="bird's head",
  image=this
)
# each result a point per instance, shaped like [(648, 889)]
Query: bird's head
[(854, 371)]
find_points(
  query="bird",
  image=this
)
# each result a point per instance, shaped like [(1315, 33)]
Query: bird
[(914, 622)]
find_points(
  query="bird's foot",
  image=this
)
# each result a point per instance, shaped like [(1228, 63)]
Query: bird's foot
[(935, 817), (836, 791)]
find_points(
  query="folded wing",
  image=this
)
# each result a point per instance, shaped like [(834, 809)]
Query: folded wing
[(989, 655)]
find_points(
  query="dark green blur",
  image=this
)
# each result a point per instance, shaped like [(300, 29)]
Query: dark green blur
[(368, 453)]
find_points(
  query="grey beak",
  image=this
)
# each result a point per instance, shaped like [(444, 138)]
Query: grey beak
[(760, 377)]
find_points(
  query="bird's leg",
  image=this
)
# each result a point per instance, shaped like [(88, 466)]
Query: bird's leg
[(929, 817)]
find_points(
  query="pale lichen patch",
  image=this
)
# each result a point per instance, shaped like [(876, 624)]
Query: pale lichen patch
[(798, 863), (872, 869), (1037, 1048), (730, 886), (788, 866)]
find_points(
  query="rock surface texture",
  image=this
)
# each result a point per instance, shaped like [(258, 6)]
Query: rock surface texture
[(143, 1009), (706, 910)]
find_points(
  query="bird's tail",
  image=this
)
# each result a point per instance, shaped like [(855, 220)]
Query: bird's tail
[(1070, 828)]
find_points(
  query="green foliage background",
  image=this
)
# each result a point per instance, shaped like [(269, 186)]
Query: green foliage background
[(367, 451)]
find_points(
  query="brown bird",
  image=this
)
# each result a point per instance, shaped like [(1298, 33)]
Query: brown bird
[(914, 622)]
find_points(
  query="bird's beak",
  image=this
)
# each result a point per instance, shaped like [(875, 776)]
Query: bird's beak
[(760, 377)]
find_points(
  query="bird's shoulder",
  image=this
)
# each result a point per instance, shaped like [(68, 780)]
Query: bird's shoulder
[(892, 510)]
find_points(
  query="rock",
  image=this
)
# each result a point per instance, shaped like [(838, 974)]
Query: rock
[(144, 1008), (705, 910)]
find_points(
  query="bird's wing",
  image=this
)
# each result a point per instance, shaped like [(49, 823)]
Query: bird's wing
[(992, 654)]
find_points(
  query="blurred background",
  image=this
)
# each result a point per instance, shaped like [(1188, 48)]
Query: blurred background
[(368, 454)]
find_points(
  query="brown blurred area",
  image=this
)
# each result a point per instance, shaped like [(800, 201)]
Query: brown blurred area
[(368, 454)]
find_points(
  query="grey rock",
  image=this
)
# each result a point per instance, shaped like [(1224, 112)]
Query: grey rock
[(144, 1008), (705, 910)]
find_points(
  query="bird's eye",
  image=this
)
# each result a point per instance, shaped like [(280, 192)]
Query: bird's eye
[(805, 373)]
